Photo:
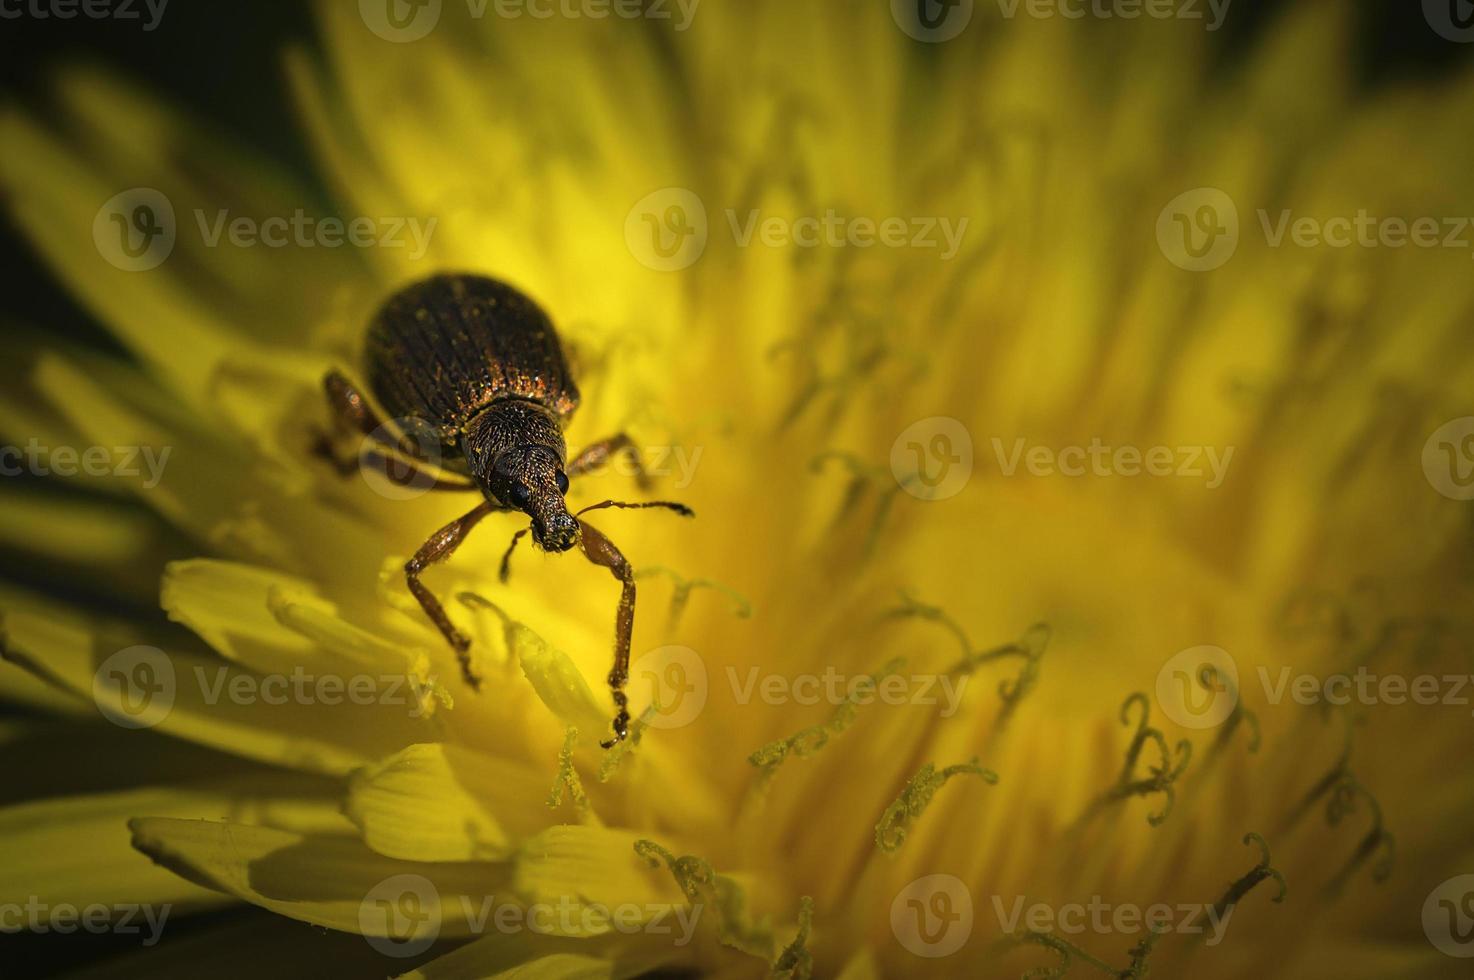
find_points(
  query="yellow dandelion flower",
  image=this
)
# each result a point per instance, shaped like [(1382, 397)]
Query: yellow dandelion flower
[(1079, 446)]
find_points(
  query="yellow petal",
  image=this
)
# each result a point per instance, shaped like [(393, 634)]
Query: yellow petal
[(595, 866), (206, 700), (557, 681), (76, 849), (501, 958), (444, 803), (328, 881)]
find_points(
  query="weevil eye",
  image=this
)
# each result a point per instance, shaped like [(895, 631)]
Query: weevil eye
[(520, 495), (562, 482)]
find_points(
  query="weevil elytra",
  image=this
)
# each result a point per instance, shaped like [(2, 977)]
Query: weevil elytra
[(480, 363)]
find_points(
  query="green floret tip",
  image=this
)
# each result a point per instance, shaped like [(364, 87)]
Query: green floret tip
[(701, 884), (895, 823), (810, 740)]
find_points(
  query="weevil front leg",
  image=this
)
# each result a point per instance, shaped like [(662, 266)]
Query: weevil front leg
[(601, 551), (442, 545), (352, 414), (600, 453)]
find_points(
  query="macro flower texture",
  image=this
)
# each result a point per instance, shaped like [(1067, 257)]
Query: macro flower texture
[(1077, 414)]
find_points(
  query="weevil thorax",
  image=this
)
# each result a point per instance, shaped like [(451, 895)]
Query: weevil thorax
[(516, 453)]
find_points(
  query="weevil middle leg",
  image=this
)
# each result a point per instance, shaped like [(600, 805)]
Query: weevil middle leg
[(352, 414), (600, 453)]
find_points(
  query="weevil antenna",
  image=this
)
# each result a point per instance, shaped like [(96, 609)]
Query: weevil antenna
[(681, 509)]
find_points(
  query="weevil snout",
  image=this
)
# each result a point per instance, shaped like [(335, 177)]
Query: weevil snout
[(556, 533), (533, 481)]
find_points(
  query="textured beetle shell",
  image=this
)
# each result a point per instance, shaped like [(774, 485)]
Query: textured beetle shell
[(444, 349)]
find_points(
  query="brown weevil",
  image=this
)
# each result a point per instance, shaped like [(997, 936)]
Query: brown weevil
[(480, 364)]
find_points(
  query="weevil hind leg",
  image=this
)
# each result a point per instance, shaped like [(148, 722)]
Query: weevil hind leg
[(601, 551), (441, 545), (352, 415)]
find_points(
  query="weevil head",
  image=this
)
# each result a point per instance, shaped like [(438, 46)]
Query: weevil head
[(531, 479), (516, 451)]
